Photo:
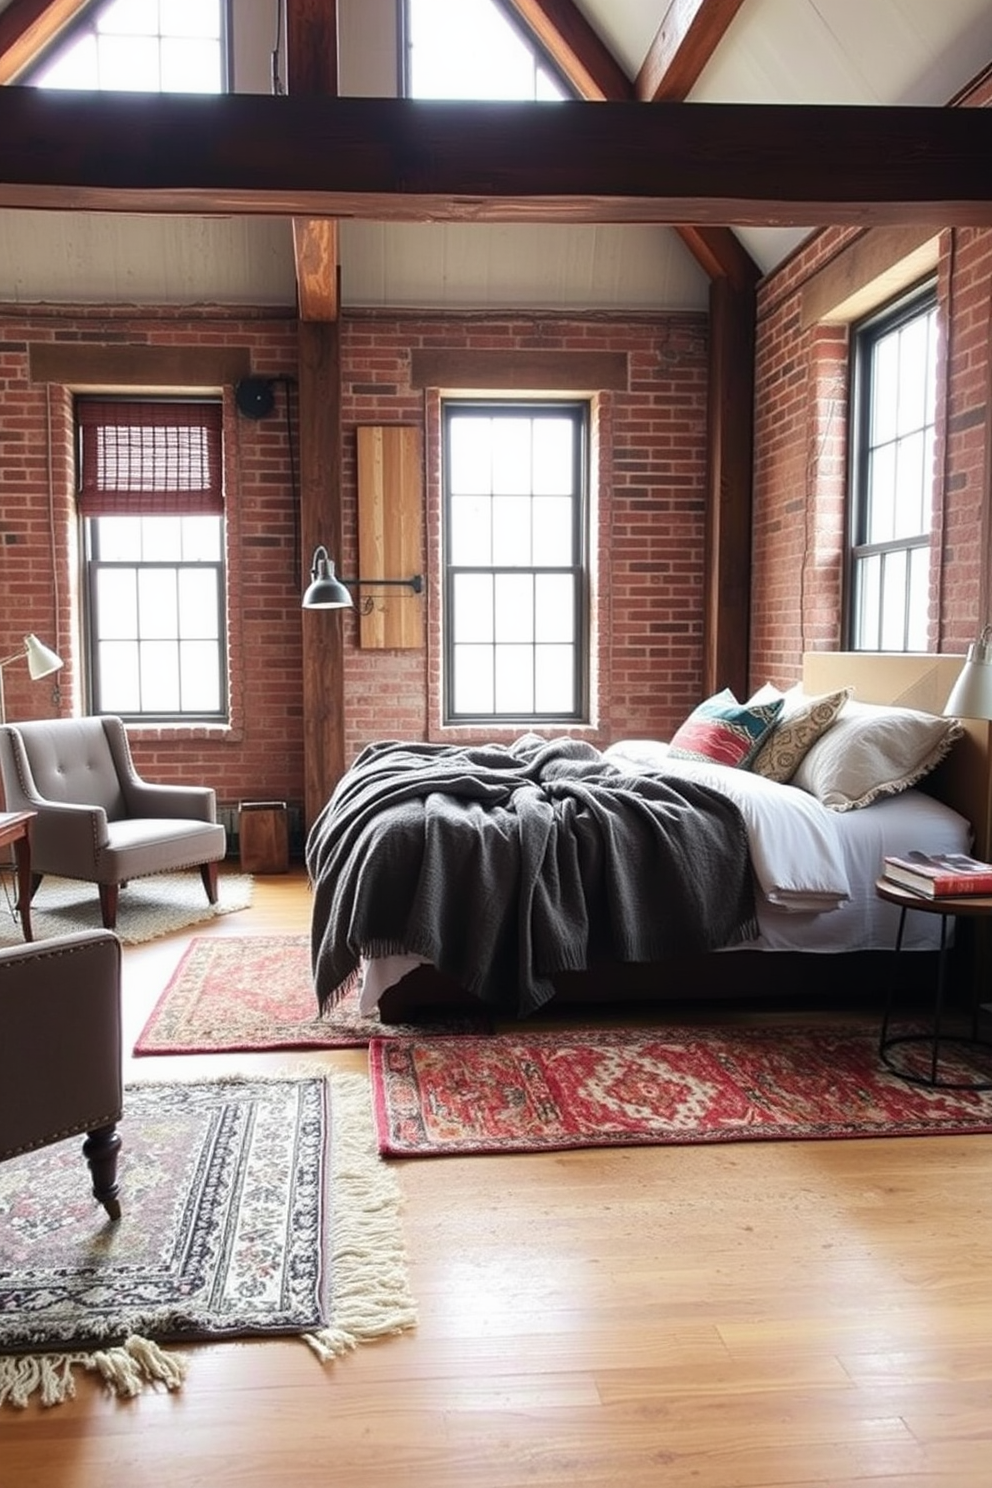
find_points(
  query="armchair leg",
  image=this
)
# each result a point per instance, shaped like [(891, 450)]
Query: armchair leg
[(100, 1150), (208, 872), (108, 905)]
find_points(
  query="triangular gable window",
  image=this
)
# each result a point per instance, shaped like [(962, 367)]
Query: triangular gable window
[(470, 49), (139, 46)]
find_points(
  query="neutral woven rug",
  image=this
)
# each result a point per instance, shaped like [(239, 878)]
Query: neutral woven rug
[(237, 993), (251, 1207), (537, 1093), (148, 907)]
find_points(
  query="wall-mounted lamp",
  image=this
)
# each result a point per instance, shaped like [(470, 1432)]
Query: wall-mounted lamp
[(327, 592), (971, 695), (41, 660)]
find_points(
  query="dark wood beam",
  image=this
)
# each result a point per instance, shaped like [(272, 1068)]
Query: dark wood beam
[(689, 34), (312, 68), (412, 160), (27, 27), (320, 522), (576, 49)]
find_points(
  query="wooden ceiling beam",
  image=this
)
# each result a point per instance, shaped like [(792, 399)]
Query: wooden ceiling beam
[(689, 34), (27, 27), (413, 160), (576, 49), (312, 68)]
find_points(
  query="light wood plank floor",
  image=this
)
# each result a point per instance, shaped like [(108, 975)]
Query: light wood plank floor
[(740, 1317)]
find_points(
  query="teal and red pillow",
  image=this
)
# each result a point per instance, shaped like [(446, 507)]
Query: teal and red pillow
[(724, 731)]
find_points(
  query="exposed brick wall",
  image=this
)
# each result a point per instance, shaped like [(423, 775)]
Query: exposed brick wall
[(648, 509)]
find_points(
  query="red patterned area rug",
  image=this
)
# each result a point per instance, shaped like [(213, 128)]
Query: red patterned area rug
[(546, 1091), (249, 993)]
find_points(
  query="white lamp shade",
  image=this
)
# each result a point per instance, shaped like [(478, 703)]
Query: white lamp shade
[(971, 695), (42, 660)]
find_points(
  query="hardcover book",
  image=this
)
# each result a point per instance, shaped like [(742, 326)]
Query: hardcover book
[(939, 875)]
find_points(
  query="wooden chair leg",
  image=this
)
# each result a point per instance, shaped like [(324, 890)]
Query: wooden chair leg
[(100, 1150), (208, 872), (109, 894)]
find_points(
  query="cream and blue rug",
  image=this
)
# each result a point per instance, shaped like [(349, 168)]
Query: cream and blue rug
[(252, 1207), (147, 908)]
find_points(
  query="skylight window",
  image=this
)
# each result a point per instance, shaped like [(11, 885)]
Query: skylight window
[(468, 49), (141, 46)]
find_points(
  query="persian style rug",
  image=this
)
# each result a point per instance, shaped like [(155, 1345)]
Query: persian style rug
[(515, 1092), (253, 992), (148, 907), (251, 1207)]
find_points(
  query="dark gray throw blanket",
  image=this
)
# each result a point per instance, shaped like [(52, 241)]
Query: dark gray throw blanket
[(505, 864)]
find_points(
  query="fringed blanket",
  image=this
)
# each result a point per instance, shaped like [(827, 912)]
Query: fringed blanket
[(505, 865)]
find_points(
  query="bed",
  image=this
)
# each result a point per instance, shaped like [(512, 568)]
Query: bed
[(518, 879)]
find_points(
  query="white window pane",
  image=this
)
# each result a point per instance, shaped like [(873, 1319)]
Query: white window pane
[(512, 456), (198, 617), (190, 18), (869, 589), (129, 63), (882, 494), (119, 539), (201, 539), (473, 607), (76, 67), (926, 516), (553, 457), (554, 618), (472, 682), (117, 603), (189, 66), (910, 486), (162, 539), (893, 617), (931, 400), (511, 530), (200, 673), (548, 88), (553, 531), (160, 677), (467, 49), (120, 688), (919, 600), (514, 679), (555, 679), (885, 389), (470, 531), (158, 610), (514, 607), (134, 17), (913, 369), (470, 453)]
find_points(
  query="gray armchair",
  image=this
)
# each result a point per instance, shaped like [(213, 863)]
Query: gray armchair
[(97, 819), (60, 1050)]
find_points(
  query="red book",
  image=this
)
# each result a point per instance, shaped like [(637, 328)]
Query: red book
[(939, 875)]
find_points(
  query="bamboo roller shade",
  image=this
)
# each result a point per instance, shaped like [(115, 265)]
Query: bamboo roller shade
[(390, 534)]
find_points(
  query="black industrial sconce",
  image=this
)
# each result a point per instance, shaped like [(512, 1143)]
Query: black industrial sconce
[(327, 592)]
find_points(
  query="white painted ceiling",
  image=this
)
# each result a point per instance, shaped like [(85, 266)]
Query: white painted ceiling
[(775, 51)]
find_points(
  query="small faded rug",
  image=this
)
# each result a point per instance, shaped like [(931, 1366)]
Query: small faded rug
[(241, 993), (516, 1092), (148, 907), (252, 1206)]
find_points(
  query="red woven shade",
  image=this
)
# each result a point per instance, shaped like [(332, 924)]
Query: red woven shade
[(145, 459)]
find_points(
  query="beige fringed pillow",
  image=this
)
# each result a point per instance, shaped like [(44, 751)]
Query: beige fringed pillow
[(802, 722), (873, 751)]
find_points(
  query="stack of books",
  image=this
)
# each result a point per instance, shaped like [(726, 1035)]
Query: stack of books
[(939, 875)]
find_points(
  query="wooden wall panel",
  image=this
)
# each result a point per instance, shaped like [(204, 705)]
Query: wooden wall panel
[(390, 534)]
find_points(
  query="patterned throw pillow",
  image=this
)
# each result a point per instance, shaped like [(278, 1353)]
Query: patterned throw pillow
[(725, 731), (804, 719)]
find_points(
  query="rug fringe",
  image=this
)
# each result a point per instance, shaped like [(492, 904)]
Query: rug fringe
[(126, 1370), (371, 1296)]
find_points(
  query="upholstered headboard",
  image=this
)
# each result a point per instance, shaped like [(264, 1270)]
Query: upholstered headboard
[(924, 681)]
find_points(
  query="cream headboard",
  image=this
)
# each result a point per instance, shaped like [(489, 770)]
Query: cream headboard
[(918, 680)]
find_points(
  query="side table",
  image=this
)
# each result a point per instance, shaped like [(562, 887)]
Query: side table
[(959, 907), (15, 828)]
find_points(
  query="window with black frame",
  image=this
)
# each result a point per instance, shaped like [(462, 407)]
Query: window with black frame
[(152, 506), (892, 475), (515, 540)]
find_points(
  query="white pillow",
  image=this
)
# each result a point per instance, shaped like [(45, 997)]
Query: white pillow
[(872, 751)]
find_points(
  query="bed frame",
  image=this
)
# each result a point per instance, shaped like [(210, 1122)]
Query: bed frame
[(765, 978)]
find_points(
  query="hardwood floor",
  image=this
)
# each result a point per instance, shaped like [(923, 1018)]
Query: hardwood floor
[(722, 1317)]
